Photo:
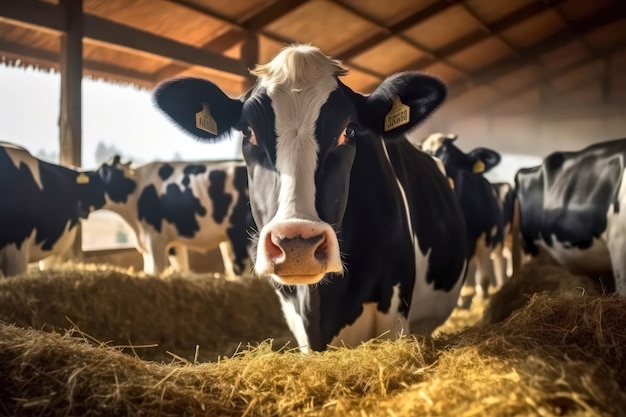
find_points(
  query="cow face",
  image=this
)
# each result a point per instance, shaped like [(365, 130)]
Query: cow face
[(301, 129), (117, 179), (478, 161)]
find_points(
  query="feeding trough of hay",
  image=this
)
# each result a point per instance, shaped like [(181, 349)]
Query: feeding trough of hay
[(559, 354)]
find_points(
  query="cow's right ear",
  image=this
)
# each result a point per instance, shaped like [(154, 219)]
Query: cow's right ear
[(198, 106)]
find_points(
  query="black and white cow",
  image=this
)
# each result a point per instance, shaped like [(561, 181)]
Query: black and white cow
[(572, 206), (358, 228), (176, 206), (42, 204), (481, 209)]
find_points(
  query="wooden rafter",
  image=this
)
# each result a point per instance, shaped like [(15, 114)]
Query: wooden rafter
[(49, 16), (559, 39)]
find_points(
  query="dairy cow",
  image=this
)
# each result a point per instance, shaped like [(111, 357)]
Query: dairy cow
[(42, 204), (358, 228), (176, 206), (572, 206), (481, 209)]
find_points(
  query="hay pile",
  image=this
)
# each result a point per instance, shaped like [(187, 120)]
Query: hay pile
[(175, 312), (556, 356), (559, 354), (539, 275)]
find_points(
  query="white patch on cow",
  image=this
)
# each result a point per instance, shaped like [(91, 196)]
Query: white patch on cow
[(615, 236), (295, 322), (593, 259), (373, 323), (435, 141), (299, 81), (19, 156)]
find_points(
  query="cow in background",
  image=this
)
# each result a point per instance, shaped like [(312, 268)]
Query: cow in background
[(481, 209), (341, 198), (573, 207), (42, 204), (177, 206)]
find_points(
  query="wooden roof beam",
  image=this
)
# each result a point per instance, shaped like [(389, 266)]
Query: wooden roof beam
[(473, 38), (393, 30), (51, 17), (507, 65), (546, 78), (239, 32), (50, 58)]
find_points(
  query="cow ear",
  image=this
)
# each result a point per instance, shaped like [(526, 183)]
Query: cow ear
[(198, 106), (401, 103), (483, 159)]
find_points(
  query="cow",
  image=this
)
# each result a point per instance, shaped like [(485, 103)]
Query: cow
[(41, 206), (481, 209), (176, 206), (572, 206), (358, 228)]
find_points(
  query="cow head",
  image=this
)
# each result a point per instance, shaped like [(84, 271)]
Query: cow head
[(301, 129), (478, 161), (117, 179)]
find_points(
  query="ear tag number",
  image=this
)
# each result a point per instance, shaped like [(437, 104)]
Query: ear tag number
[(399, 115), (206, 122)]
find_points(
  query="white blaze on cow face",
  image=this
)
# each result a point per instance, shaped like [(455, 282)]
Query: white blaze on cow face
[(296, 246)]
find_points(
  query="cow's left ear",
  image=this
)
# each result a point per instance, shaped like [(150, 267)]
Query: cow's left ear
[(199, 107), (401, 103), (483, 159)]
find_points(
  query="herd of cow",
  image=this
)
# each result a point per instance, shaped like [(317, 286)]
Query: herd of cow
[(363, 232)]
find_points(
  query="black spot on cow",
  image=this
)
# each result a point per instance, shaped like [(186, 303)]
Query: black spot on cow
[(176, 207), (165, 171), (193, 169), (241, 221), (220, 199)]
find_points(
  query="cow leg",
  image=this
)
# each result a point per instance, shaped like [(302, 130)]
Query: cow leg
[(154, 257), (14, 261), (484, 270), (228, 255), (178, 256), (49, 262), (499, 266), (468, 291)]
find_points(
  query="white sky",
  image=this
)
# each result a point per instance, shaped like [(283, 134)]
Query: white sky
[(115, 114), (123, 116)]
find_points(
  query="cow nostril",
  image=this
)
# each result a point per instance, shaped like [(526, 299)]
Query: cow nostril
[(273, 248), (321, 252)]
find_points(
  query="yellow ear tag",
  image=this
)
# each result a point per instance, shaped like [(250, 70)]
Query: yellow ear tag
[(478, 167), (82, 178), (399, 115), (451, 181), (206, 122)]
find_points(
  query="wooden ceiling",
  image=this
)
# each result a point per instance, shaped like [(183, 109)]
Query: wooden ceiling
[(499, 56)]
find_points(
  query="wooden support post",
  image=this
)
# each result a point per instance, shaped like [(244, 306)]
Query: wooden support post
[(70, 118)]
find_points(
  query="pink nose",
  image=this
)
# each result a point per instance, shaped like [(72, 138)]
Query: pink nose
[(297, 255)]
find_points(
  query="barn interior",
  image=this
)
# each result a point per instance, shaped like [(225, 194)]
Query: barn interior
[(524, 77)]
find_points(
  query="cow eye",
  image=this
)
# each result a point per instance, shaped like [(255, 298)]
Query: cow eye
[(348, 134), (248, 134)]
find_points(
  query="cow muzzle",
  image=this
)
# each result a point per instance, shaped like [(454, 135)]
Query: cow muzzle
[(300, 253)]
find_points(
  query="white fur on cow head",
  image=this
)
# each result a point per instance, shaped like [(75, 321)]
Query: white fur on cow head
[(298, 81), (435, 141)]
